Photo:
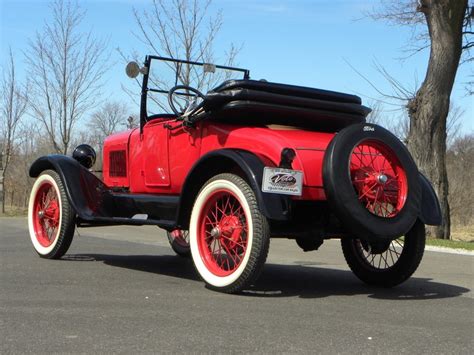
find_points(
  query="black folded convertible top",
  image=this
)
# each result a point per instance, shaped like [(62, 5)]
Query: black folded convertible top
[(252, 102), (289, 90)]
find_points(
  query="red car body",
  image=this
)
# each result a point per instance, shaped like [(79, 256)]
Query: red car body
[(158, 161)]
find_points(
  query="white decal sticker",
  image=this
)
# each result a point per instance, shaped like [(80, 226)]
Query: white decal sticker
[(282, 181)]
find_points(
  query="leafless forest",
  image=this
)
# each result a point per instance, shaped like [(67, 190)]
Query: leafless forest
[(59, 106)]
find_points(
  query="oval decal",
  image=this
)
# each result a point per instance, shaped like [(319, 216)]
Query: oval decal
[(283, 180)]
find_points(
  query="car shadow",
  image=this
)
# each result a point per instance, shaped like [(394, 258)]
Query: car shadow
[(304, 281)]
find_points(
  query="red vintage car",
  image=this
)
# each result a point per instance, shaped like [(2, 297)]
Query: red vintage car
[(247, 161)]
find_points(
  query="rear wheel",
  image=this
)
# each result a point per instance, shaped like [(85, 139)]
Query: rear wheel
[(371, 182), (179, 241), (229, 237), (386, 263), (51, 219)]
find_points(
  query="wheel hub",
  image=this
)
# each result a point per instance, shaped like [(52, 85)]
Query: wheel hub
[(215, 233), (382, 179), (41, 214), (378, 247)]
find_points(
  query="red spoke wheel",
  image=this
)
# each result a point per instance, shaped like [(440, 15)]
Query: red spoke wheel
[(371, 183), (179, 241), (386, 263), (378, 178), (229, 237), (50, 216)]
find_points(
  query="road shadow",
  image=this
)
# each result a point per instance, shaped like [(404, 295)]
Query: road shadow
[(305, 280)]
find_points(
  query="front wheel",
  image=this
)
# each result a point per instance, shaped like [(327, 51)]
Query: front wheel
[(387, 263), (51, 218), (179, 242), (229, 237)]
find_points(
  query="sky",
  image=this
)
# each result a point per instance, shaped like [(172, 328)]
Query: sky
[(315, 43)]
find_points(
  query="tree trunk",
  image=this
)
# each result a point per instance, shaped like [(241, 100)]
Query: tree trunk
[(429, 108), (2, 191)]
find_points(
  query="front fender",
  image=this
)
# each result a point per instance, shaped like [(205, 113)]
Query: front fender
[(430, 211), (87, 194), (272, 206)]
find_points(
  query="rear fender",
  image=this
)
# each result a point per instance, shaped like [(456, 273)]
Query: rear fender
[(88, 195), (430, 211), (272, 206)]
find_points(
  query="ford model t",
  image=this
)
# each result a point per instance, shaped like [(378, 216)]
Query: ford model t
[(245, 162)]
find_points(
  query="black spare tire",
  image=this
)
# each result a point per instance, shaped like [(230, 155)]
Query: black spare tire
[(371, 182)]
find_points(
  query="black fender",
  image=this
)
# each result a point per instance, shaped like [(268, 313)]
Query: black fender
[(88, 195), (430, 211), (272, 206)]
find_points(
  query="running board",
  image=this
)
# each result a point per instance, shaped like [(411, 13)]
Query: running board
[(117, 221), (131, 209)]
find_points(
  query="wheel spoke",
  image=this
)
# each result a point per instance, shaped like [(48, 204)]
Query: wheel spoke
[(368, 190), (391, 255), (399, 243), (379, 258), (229, 252)]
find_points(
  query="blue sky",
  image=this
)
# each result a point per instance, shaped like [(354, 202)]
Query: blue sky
[(301, 42)]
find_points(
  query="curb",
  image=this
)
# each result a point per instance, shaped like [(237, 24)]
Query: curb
[(449, 250)]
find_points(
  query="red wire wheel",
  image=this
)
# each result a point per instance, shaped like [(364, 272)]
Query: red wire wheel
[(378, 178), (179, 241), (229, 237), (222, 238), (46, 214), (51, 219), (371, 183)]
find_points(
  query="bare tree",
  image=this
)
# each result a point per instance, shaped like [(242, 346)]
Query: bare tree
[(13, 107), (376, 115), (65, 67), (460, 162), (183, 29), (444, 25), (110, 118)]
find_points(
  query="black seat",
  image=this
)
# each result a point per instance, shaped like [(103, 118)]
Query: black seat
[(253, 102)]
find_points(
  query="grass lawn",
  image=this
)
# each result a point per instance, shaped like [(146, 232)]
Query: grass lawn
[(455, 244)]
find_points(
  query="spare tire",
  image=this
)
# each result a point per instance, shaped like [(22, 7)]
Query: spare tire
[(371, 182)]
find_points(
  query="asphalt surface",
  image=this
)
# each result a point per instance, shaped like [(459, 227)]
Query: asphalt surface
[(122, 290)]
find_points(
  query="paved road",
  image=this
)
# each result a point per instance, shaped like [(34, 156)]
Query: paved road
[(121, 290)]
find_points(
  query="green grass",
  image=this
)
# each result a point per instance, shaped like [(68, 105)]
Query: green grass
[(454, 244)]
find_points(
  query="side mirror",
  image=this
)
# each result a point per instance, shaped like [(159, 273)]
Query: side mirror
[(133, 69)]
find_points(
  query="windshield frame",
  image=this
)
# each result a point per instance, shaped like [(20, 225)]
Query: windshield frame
[(146, 72)]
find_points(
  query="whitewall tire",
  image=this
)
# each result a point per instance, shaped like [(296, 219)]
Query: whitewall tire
[(229, 237), (51, 219)]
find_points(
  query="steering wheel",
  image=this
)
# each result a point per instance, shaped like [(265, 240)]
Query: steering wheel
[(185, 91)]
